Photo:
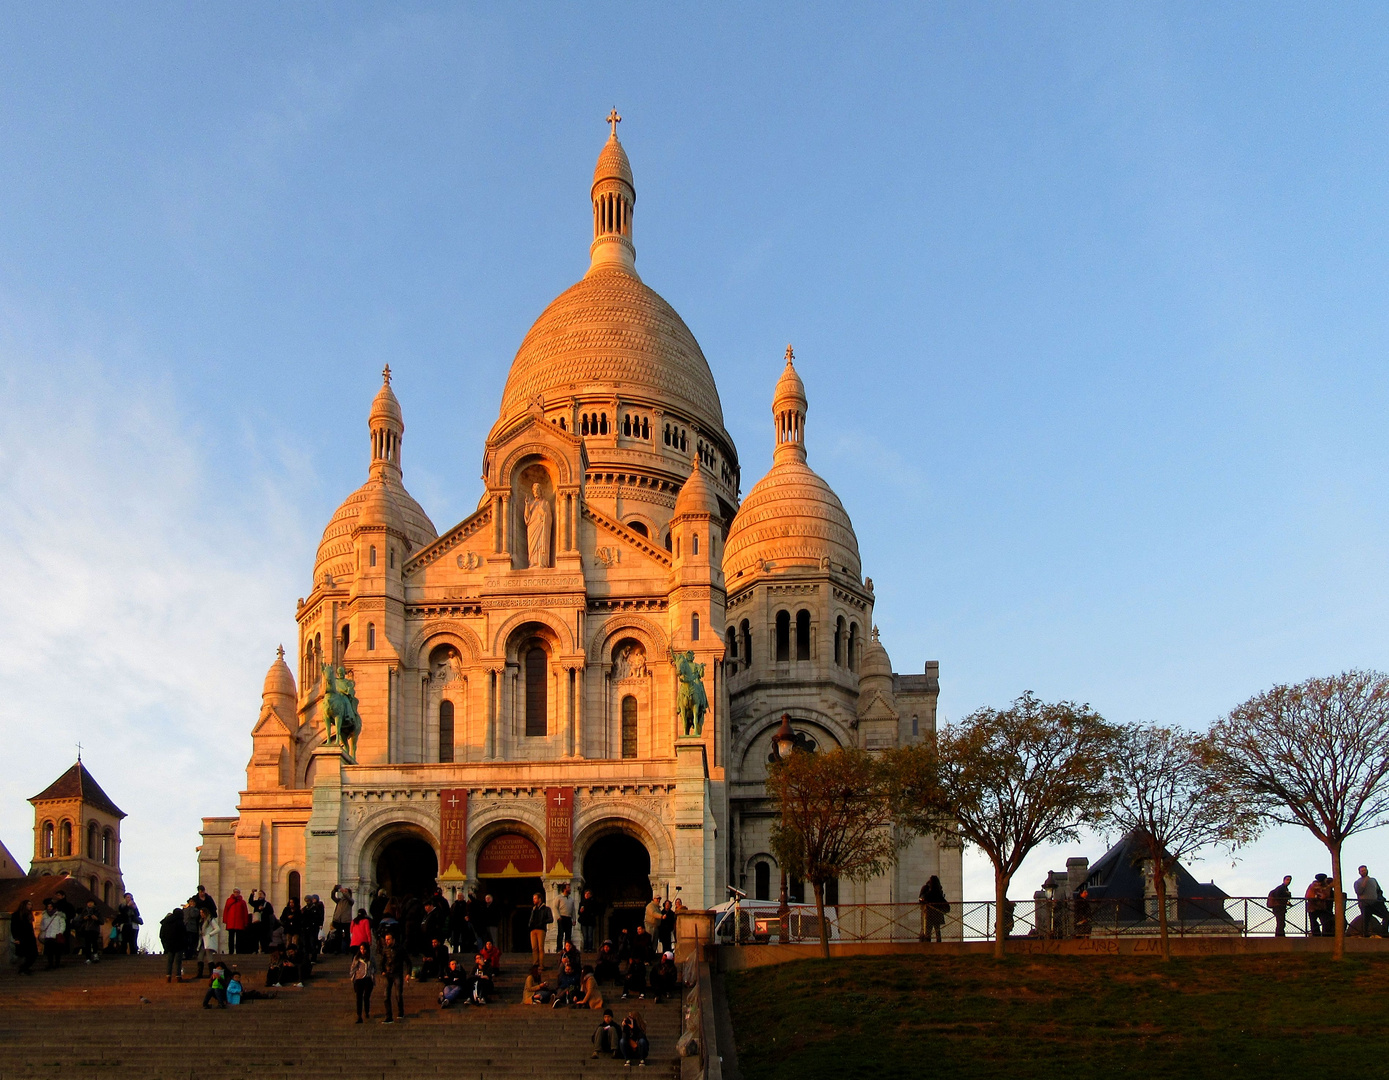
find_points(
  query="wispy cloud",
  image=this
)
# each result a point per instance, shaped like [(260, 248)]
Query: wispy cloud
[(140, 604)]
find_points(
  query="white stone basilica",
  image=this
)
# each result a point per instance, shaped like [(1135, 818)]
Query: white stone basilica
[(514, 675)]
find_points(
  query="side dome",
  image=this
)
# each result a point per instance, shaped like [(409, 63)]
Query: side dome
[(790, 517), (335, 551), (875, 663), (696, 496), (279, 680), (611, 333)]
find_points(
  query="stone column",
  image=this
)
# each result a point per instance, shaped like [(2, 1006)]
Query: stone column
[(322, 864), (694, 826)]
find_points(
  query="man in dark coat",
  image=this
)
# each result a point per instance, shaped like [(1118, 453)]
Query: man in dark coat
[(171, 939), (393, 971), (589, 911)]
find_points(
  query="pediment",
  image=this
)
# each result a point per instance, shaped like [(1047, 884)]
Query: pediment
[(877, 707), (456, 538), (624, 543), (272, 724)]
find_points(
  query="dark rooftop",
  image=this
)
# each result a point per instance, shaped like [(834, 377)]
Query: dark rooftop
[(77, 783)]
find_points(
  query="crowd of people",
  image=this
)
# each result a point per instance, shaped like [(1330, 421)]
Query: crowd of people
[(61, 929), (1372, 917)]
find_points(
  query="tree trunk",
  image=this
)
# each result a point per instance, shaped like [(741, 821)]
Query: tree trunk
[(1160, 885), (1000, 912), (820, 910), (1338, 905)]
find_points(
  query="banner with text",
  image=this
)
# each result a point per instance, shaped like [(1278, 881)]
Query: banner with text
[(453, 834), (559, 831)]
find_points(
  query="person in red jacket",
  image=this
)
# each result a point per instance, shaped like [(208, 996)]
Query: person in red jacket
[(236, 917)]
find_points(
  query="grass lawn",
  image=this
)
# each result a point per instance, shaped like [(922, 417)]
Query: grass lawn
[(966, 1016)]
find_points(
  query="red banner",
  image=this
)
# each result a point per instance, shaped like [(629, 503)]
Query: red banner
[(453, 834), (509, 855), (559, 831)]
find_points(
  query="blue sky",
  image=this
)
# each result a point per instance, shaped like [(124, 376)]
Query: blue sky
[(1089, 302)]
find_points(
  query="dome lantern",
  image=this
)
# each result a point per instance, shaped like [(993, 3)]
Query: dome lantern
[(789, 409), (387, 426), (614, 195)]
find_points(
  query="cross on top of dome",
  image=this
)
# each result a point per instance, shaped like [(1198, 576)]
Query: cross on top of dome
[(614, 120), (386, 374), (790, 354)]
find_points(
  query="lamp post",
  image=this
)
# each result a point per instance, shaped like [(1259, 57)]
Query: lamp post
[(783, 746)]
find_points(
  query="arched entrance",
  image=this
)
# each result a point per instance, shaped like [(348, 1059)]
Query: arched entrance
[(407, 866), (509, 866), (617, 867)]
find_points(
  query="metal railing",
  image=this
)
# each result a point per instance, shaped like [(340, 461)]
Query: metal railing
[(974, 920)]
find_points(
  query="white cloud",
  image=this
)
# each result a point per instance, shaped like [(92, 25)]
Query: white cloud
[(141, 599)]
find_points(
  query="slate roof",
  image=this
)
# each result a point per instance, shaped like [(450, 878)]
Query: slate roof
[(38, 889), (1118, 875), (77, 783)]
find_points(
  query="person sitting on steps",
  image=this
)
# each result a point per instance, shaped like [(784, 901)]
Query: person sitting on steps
[(605, 1039), (632, 1040)]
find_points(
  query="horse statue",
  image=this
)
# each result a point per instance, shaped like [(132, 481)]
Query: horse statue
[(341, 721), (691, 703)]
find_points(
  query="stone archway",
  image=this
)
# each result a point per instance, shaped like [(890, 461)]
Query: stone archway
[(617, 867), (407, 865)]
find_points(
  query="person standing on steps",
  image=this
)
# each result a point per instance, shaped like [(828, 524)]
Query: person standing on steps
[(236, 917), (171, 933), (192, 929), (26, 946), (589, 910), (564, 907), (651, 920), (540, 918), (393, 970), (52, 929), (129, 921), (362, 972)]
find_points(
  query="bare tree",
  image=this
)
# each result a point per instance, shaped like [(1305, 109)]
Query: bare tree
[(1007, 780), (835, 820), (1316, 755), (1165, 791)]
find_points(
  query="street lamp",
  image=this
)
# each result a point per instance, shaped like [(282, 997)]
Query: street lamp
[(783, 746)]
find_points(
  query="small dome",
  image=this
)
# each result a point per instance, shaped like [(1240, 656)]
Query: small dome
[(790, 391), (385, 407), (613, 164), (279, 680), (378, 509), (696, 496), (791, 517), (875, 662), (335, 551)]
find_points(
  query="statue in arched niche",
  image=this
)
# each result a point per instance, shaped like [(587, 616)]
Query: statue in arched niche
[(630, 662), (538, 519), (445, 667)]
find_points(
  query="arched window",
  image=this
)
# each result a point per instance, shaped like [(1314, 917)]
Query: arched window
[(371, 555), (346, 635), (46, 844), (802, 635), (108, 848), (537, 686), (730, 643), (294, 885), (747, 643), (583, 424), (839, 641), (694, 626), (762, 882), (91, 840), (665, 435), (392, 551), (371, 636), (667, 541), (783, 636), (852, 660), (694, 543), (92, 885), (106, 894), (639, 528), (629, 726), (916, 725), (446, 731), (627, 425), (645, 428), (603, 424), (65, 839)]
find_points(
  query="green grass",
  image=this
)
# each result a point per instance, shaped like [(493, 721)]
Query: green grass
[(966, 1016)]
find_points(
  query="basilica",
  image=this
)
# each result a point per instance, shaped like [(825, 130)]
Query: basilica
[(579, 682)]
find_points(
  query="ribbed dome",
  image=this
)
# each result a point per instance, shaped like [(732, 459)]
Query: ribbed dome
[(790, 391), (613, 164), (612, 334), (335, 549), (385, 406), (876, 662), (279, 680), (790, 517), (696, 496)]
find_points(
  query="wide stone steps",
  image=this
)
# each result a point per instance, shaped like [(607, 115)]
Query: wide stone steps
[(88, 1020)]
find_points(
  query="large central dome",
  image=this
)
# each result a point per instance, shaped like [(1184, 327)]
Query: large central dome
[(612, 334), (611, 338)]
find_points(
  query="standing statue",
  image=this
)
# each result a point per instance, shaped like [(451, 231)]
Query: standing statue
[(691, 703), (341, 721), (538, 516)]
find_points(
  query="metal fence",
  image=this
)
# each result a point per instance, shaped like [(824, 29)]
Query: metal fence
[(757, 922)]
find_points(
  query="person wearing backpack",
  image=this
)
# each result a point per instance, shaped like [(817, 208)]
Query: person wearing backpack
[(1278, 900)]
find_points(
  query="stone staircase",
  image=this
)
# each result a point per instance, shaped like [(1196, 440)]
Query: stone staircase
[(89, 1021)]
